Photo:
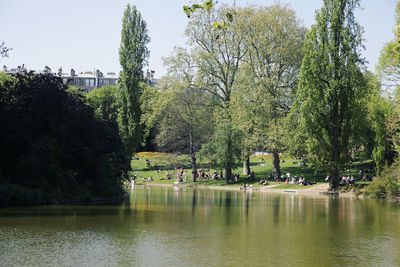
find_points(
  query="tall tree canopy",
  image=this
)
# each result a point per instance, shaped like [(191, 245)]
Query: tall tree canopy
[(275, 37), (219, 52), (182, 112), (51, 145), (133, 55), (331, 85)]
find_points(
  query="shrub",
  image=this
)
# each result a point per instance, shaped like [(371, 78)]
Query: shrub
[(386, 185)]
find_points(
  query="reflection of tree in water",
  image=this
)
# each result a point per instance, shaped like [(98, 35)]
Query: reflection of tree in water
[(227, 206), (246, 200), (276, 204), (194, 199)]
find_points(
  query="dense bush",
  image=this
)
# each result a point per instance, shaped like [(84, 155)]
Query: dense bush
[(51, 142), (387, 184)]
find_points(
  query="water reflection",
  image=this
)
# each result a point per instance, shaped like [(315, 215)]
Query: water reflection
[(178, 226)]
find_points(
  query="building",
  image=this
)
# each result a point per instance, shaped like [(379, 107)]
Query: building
[(87, 81)]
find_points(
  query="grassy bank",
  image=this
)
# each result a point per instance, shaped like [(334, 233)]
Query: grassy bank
[(155, 165)]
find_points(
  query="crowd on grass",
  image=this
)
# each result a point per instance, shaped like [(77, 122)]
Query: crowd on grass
[(180, 175)]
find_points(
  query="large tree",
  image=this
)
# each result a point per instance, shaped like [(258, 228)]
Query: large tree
[(181, 111), (331, 85), (52, 145), (133, 55), (219, 47), (275, 38)]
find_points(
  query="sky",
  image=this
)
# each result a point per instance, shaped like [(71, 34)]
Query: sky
[(85, 34)]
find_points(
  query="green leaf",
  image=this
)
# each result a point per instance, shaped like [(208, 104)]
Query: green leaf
[(229, 17), (208, 5)]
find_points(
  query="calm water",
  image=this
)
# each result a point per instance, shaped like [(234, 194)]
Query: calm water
[(166, 226)]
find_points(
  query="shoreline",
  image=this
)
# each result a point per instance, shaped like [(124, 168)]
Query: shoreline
[(321, 189)]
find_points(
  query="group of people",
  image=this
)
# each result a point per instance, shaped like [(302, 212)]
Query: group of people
[(301, 180), (349, 180), (344, 180)]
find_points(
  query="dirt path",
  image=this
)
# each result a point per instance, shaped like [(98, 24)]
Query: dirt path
[(318, 188)]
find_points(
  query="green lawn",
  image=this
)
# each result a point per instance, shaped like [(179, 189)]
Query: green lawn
[(162, 162)]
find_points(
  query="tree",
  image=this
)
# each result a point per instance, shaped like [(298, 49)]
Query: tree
[(275, 38), (52, 143), (133, 55), (331, 85), (184, 111), (377, 130), (218, 56), (104, 103)]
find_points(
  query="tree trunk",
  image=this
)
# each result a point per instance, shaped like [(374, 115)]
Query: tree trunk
[(276, 169), (193, 157), (228, 166), (334, 178), (228, 173), (246, 165), (194, 167)]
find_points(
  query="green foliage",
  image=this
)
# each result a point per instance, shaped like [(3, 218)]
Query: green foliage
[(207, 5), (133, 55), (186, 120), (386, 185), (51, 142), (181, 112), (388, 68), (275, 37), (104, 103), (376, 130), (217, 61), (5, 78), (225, 146), (16, 195), (331, 85)]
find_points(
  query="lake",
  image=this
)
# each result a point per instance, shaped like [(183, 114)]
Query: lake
[(182, 226)]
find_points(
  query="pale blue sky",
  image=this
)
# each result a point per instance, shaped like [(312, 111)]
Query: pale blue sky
[(85, 34)]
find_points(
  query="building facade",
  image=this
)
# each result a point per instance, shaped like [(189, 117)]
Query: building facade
[(86, 81)]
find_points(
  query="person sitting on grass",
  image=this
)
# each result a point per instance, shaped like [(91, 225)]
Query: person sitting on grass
[(263, 182), (343, 180), (293, 181), (349, 180)]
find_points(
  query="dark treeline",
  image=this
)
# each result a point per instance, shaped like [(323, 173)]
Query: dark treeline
[(52, 147)]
